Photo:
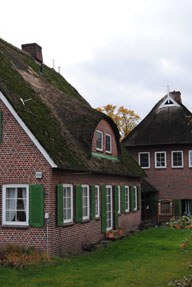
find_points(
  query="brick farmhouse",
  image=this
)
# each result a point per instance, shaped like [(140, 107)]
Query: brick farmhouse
[(162, 145), (65, 179)]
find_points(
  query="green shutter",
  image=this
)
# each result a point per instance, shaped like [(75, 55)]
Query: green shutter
[(177, 204), (116, 223), (92, 202), (59, 205), (103, 209), (123, 199), (78, 204), (0, 126), (138, 198), (36, 210), (132, 198)]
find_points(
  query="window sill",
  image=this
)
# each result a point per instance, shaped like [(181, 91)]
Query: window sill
[(15, 226), (68, 224), (85, 221)]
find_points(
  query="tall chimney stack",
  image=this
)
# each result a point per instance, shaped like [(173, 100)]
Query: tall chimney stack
[(34, 50)]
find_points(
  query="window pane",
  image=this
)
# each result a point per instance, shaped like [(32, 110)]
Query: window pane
[(67, 204), (177, 159), (15, 204), (144, 160), (99, 140), (108, 143)]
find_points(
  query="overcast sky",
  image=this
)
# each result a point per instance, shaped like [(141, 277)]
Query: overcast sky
[(120, 52)]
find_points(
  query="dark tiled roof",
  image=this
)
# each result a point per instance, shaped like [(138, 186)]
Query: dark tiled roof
[(166, 125), (60, 118)]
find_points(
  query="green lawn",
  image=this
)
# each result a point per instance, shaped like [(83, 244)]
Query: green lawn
[(148, 258)]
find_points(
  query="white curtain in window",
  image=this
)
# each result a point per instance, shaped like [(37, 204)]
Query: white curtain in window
[(10, 204)]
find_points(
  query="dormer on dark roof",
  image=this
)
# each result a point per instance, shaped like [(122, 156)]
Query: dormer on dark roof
[(34, 50)]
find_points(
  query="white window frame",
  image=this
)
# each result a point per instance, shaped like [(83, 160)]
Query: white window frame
[(106, 150), (119, 199), (97, 201), (165, 155), (87, 216), (127, 199), (109, 188), (139, 160), (15, 223), (101, 133), (190, 158), (69, 220), (135, 197), (172, 153)]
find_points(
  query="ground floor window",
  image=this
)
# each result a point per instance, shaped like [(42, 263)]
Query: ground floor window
[(97, 202), (109, 207), (15, 204), (135, 199), (85, 202), (67, 203), (127, 199)]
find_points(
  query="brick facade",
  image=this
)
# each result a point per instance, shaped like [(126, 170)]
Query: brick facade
[(20, 160)]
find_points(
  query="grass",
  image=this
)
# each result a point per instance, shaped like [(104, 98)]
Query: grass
[(148, 258)]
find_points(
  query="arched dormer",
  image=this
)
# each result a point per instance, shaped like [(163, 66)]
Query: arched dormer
[(105, 142)]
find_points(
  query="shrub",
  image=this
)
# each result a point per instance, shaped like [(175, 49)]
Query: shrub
[(21, 256), (185, 282)]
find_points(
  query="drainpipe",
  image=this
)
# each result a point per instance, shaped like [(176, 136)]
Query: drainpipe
[(47, 232)]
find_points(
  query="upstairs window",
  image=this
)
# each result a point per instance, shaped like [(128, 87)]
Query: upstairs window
[(160, 159), (144, 159), (177, 159), (108, 146), (99, 140), (190, 158)]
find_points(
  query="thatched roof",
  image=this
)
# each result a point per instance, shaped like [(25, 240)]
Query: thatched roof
[(62, 121), (166, 124)]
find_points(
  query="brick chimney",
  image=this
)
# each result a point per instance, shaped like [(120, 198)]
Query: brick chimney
[(34, 50), (176, 95)]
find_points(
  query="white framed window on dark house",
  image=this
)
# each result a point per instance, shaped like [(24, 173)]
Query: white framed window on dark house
[(160, 159), (190, 158), (144, 159), (177, 159)]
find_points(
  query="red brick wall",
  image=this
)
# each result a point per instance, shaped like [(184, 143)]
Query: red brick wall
[(175, 183), (88, 232), (104, 127), (19, 160)]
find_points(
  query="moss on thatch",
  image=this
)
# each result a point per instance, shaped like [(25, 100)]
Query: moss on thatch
[(59, 117)]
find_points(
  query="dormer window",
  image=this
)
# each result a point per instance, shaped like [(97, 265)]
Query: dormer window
[(99, 140), (108, 146)]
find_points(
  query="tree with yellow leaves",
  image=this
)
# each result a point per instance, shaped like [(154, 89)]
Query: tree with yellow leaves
[(125, 119)]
